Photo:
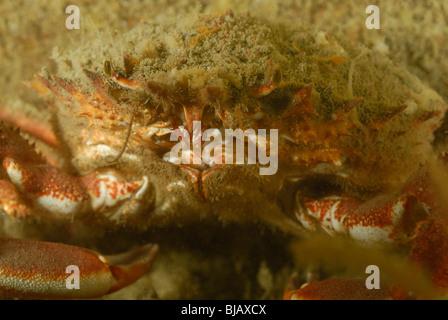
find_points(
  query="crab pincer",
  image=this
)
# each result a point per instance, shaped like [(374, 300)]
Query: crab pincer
[(36, 269), (333, 289)]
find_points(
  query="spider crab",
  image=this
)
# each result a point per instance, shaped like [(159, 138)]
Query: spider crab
[(354, 147)]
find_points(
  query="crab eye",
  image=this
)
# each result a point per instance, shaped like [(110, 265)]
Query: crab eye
[(320, 185), (316, 186), (107, 68), (277, 77)]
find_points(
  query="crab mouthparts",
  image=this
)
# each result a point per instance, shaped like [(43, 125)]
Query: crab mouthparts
[(208, 148)]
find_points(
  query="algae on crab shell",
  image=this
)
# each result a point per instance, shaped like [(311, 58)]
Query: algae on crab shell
[(234, 52)]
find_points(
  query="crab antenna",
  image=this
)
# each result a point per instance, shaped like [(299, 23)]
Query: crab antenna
[(107, 68), (128, 134)]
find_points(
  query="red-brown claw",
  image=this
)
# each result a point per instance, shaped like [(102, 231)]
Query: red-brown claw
[(338, 289), (35, 269), (30, 186)]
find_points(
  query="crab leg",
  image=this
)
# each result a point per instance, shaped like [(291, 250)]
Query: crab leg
[(34, 269), (36, 127)]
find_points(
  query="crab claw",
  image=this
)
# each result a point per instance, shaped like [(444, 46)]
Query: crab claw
[(334, 289), (30, 186), (34, 269), (383, 220), (430, 249)]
